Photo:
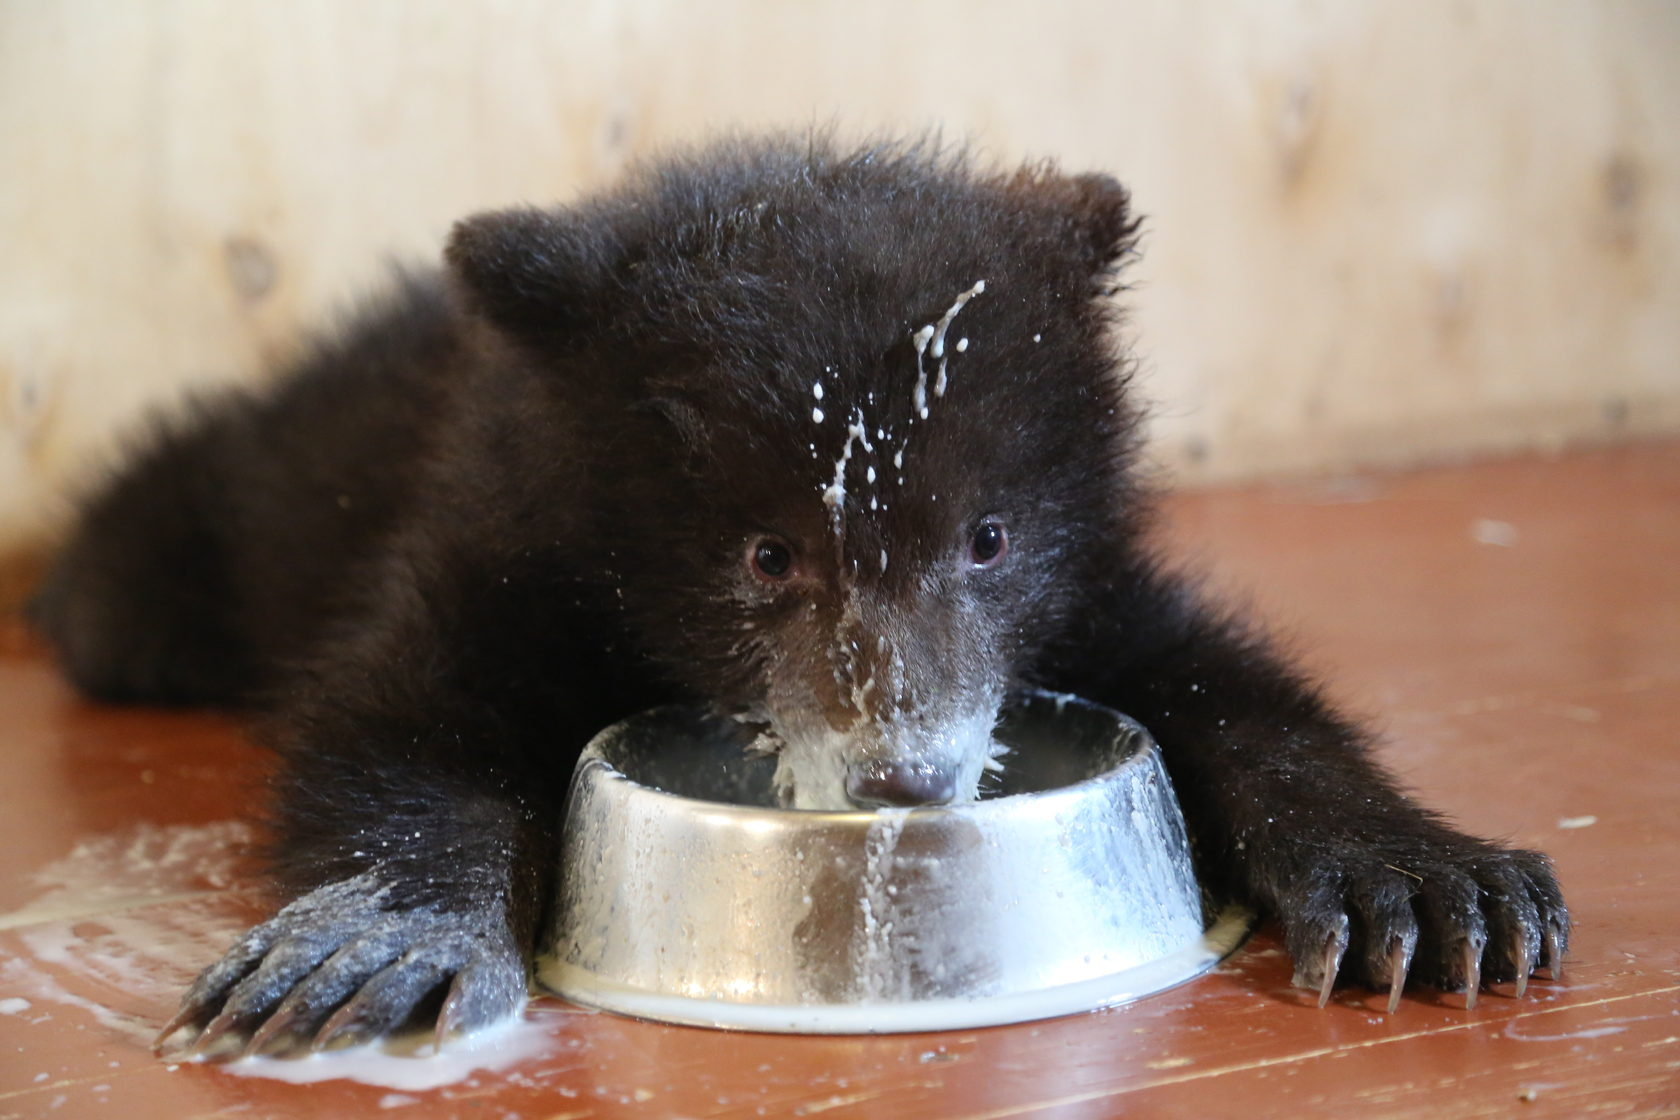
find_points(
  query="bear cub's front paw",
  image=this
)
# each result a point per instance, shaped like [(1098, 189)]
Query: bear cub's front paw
[(1454, 914), (342, 965)]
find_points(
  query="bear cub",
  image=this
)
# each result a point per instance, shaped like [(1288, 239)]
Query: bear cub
[(837, 439)]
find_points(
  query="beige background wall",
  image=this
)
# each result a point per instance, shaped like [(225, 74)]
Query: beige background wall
[(1379, 232)]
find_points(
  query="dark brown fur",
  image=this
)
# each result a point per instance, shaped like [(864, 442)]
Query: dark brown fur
[(509, 507)]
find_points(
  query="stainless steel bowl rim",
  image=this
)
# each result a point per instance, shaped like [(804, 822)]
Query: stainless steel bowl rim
[(1071, 792)]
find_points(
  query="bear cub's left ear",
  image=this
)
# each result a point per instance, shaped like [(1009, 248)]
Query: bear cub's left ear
[(531, 272), (1091, 214), (1103, 210)]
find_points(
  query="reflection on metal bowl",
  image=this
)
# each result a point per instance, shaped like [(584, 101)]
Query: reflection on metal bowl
[(686, 896)]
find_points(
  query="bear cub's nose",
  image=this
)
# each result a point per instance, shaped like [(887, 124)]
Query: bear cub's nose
[(879, 784)]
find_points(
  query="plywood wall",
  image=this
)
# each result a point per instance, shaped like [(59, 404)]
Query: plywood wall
[(1379, 231)]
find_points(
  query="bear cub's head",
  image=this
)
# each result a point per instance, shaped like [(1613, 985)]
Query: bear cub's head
[(854, 431)]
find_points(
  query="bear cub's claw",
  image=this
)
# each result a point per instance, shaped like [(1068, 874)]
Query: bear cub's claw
[(1456, 919), (339, 967)]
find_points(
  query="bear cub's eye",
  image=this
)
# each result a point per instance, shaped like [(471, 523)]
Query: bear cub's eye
[(989, 545), (770, 559)]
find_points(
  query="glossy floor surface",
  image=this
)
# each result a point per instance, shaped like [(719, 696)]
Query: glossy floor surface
[(1514, 629)]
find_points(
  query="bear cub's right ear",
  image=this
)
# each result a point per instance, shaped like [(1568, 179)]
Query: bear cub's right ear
[(531, 272)]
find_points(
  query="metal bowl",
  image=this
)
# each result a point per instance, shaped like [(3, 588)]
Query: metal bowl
[(686, 896)]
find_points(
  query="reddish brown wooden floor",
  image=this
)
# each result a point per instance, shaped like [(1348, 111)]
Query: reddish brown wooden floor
[(1514, 627)]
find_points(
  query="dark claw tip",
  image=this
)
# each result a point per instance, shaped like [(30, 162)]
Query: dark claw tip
[(1520, 956), (279, 1024), (343, 1029), (1399, 964), (218, 1028), (180, 1019), (1554, 953), (1335, 946), (1472, 973)]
